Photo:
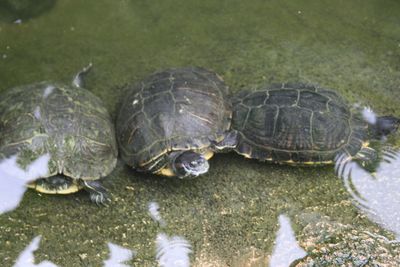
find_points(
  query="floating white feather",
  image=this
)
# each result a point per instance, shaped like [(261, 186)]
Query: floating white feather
[(27, 259), (118, 255), (286, 249), (369, 115), (48, 90), (155, 214), (172, 251), (14, 180)]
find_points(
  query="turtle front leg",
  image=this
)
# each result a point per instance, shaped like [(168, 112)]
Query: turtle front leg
[(366, 155), (98, 193), (368, 158), (228, 143)]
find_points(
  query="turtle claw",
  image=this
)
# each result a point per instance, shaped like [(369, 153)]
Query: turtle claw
[(98, 193), (100, 199)]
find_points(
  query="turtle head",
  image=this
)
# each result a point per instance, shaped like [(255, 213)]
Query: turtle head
[(386, 125), (189, 164)]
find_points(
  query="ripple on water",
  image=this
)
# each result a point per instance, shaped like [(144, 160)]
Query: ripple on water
[(376, 194)]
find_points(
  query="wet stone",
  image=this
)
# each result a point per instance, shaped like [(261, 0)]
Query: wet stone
[(331, 243)]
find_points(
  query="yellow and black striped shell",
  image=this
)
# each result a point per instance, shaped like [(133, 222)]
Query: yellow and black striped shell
[(70, 124), (296, 124), (173, 110)]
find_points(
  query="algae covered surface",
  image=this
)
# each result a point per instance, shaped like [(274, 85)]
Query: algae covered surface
[(230, 215)]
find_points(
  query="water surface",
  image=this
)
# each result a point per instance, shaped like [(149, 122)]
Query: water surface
[(230, 215)]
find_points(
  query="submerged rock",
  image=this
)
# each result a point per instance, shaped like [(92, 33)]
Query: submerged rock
[(331, 243)]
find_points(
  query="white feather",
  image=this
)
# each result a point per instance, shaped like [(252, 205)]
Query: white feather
[(14, 180), (27, 259), (155, 214), (118, 255), (369, 115), (172, 251), (36, 113), (286, 249), (48, 90)]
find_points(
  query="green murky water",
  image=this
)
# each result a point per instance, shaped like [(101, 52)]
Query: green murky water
[(230, 214)]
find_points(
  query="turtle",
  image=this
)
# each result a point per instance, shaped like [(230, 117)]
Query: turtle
[(303, 124), (173, 121), (66, 122)]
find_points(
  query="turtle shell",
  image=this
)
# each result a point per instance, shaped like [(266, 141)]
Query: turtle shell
[(173, 110), (71, 124), (296, 123)]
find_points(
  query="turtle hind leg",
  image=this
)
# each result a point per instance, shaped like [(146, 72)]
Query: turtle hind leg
[(98, 193)]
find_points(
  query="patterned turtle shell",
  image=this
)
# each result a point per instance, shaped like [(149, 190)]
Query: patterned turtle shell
[(178, 109), (296, 124), (71, 124)]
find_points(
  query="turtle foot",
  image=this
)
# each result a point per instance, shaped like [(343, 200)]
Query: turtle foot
[(368, 158), (98, 193), (366, 155), (229, 142)]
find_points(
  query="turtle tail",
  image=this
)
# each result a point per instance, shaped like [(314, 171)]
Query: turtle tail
[(78, 79)]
